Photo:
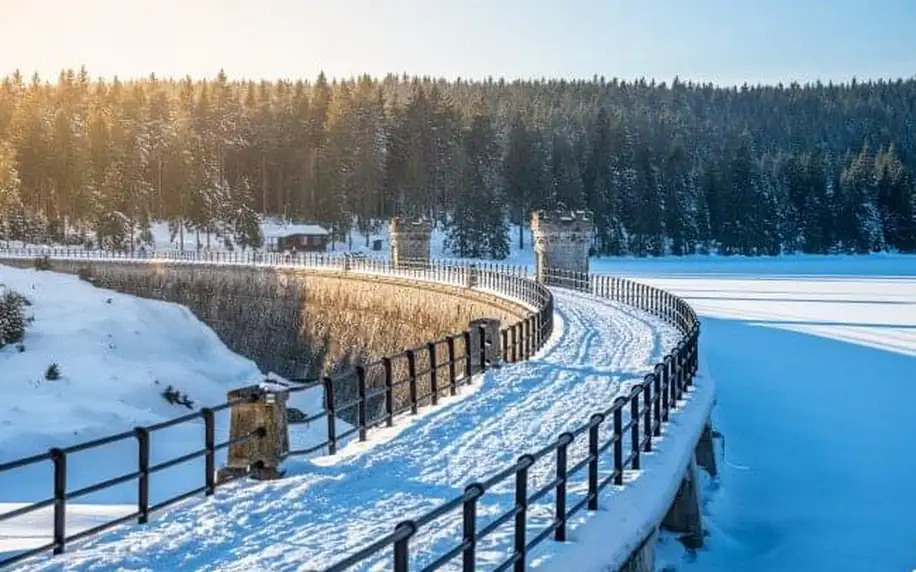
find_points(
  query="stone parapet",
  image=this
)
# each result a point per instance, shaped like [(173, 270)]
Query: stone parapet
[(409, 240), (561, 241)]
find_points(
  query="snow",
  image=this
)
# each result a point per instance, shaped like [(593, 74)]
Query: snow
[(816, 474), (116, 353), (270, 229), (330, 506), (278, 230), (604, 539)]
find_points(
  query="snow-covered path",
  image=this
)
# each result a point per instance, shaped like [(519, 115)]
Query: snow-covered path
[(331, 506)]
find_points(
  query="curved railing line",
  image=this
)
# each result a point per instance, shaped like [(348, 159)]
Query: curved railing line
[(377, 382), (636, 420)]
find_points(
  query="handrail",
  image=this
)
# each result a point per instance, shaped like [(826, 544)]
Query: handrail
[(636, 418), (453, 360)]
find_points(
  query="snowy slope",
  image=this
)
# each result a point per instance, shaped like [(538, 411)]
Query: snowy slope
[(116, 354), (332, 505)]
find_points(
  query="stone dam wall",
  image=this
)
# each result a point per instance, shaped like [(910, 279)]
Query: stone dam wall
[(299, 322)]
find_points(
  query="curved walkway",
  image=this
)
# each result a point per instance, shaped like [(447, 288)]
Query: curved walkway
[(331, 506)]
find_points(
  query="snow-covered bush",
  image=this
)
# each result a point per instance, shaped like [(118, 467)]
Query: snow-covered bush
[(12, 316), (175, 397), (53, 372)]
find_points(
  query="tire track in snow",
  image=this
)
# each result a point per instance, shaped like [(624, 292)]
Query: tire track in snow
[(326, 512)]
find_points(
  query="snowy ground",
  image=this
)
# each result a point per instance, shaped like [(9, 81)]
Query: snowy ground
[(814, 359), (116, 354), (795, 493), (332, 505)]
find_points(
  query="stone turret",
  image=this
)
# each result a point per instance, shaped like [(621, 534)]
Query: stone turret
[(561, 241), (409, 240)]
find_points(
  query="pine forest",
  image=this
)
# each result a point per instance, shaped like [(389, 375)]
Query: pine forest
[(666, 167)]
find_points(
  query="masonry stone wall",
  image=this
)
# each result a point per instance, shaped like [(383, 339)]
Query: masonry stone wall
[(561, 240), (410, 240), (299, 322)]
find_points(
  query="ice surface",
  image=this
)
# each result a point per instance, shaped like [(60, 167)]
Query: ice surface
[(815, 364)]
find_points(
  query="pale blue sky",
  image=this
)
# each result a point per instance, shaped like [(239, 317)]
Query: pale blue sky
[(724, 41)]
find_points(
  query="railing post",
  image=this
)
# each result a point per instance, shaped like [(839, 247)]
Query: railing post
[(657, 399), (143, 468), (514, 330), (647, 409), (361, 405), (210, 448), (594, 426), (672, 380), (521, 517), (469, 526), (402, 547), (666, 389), (560, 509), (504, 339), (433, 382), (452, 381), (482, 335), (389, 392), (681, 369), (536, 326), (468, 356), (59, 458), (527, 343), (331, 413), (634, 428), (618, 440), (412, 380), (472, 276)]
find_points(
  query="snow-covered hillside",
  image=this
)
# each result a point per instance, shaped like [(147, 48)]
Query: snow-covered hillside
[(116, 355)]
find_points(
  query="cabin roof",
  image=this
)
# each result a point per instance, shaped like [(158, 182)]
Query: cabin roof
[(295, 230)]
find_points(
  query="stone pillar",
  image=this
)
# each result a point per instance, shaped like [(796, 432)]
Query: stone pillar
[(409, 241), (561, 241), (705, 452), (684, 515), (264, 407), (492, 340), (473, 276)]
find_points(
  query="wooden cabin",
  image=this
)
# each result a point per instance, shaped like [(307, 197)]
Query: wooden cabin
[(302, 238)]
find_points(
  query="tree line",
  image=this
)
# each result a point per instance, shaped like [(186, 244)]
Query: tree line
[(667, 168)]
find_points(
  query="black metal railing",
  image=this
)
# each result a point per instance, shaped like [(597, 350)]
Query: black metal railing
[(635, 420), (384, 388), (62, 494)]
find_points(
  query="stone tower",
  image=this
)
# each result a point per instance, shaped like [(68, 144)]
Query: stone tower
[(409, 240), (561, 241)]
